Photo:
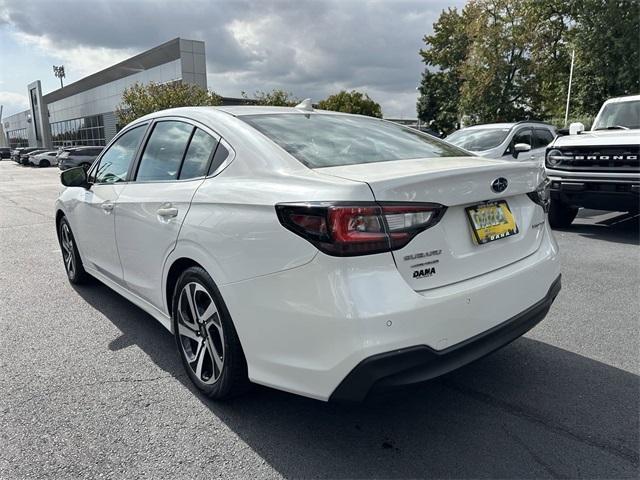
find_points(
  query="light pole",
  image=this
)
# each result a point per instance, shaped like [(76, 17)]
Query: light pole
[(58, 71), (566, 112)]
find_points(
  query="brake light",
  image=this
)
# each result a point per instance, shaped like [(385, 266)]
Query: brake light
[(341, 229)]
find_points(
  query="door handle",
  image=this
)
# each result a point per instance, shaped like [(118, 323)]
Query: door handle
[(107, 206), (167, 212)]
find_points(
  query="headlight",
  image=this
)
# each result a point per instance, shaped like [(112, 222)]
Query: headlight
[(542, 194), (555, 157)]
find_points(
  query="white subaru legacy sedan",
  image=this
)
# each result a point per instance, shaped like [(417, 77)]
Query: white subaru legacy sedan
[(324, 254)]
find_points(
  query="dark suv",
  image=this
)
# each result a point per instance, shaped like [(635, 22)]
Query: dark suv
[(78, 157)]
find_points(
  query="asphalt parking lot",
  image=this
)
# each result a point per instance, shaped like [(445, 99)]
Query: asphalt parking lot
[(92, 386)]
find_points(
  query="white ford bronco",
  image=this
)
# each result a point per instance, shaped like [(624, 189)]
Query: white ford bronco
[(598, 169)]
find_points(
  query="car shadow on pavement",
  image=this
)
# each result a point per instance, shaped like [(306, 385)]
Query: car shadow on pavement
[(530, 410), (624, 228)]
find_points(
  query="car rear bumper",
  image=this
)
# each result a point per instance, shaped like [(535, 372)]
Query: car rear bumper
[(420, 363), (304, 330)]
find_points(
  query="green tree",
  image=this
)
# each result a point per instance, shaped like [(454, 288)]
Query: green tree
[(351, 102), (444, 55), (505, 60), (141, 99), (275, 98), (607, 43)]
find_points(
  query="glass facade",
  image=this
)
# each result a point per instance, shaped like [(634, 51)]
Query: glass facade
[(18, 138), (79, 131)]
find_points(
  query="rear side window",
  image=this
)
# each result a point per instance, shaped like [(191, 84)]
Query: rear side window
[(541, 138), (325, 140), (222, 153), (114, 164), (196, 161), (164, 151)]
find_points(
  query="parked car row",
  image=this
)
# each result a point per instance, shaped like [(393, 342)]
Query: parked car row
[(64, 158)]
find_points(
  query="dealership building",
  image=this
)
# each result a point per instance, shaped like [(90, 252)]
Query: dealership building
[(83, 112)]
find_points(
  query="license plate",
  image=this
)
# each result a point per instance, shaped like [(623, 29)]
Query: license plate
[(491, 221)]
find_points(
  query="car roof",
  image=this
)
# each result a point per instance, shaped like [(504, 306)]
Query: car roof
[(236, 111), (507, 125), (628, 98)]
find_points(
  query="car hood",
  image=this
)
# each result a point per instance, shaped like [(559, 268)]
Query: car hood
[(600, 137)]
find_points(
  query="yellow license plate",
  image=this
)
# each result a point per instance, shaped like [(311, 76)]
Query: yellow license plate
[(491, 221)]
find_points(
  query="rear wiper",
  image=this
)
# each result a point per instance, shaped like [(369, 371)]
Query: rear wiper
[(614, 127)]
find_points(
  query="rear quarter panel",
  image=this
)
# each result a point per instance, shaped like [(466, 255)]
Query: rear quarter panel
[(233, 231)]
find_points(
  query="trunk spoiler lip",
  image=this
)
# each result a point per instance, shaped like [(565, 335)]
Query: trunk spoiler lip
[(393, 171)]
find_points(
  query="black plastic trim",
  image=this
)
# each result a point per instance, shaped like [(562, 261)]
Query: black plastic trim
[(417, 364)]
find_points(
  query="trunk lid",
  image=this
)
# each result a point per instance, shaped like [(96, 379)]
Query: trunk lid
[(448, 252)]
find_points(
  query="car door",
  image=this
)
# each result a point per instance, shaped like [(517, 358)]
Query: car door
[(151, 209), (94, 214)]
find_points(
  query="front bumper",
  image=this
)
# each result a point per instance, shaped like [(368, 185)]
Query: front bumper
[(420, 363), (615, 191)]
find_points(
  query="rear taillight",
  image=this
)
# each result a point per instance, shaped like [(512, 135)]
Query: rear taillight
[(542, 194), (342, 229)]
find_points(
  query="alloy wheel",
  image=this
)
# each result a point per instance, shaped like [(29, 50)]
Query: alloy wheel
[(68, 253), (200, 333)]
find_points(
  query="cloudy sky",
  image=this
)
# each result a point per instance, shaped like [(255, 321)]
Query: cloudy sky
[(310, 48)]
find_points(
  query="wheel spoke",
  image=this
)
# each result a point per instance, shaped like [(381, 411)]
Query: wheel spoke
[(200, 360), (215, 321), (214, 354), (209, 312), (186, 331), (192, 309), (189, 322)]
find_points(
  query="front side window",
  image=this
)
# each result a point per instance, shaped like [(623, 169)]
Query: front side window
[(326, 140), (196, 161), (114, 164), (523, 136), (163, 154)]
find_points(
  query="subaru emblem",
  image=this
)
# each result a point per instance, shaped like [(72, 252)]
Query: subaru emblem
[(499, 185)]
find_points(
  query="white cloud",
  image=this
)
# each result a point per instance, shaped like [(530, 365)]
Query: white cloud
[(13, 102), (310, 48), (79, 61)]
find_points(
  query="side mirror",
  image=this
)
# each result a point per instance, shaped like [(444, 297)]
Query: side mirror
[(519, 148), (75, 177), (576, 128)]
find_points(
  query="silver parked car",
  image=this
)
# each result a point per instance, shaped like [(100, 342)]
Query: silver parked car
[(78, 157), (44, 159), (520, 141)]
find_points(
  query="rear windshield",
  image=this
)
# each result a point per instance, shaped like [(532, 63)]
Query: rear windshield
[(324, 140), (478, 139)]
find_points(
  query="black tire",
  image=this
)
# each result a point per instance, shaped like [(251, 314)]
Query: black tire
[(216, 333), (74, 268), (44, 163), (561, 215)]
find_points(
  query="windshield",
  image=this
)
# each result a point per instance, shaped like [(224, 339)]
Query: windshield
[(619, 114), (478, 139), (321, 140)]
